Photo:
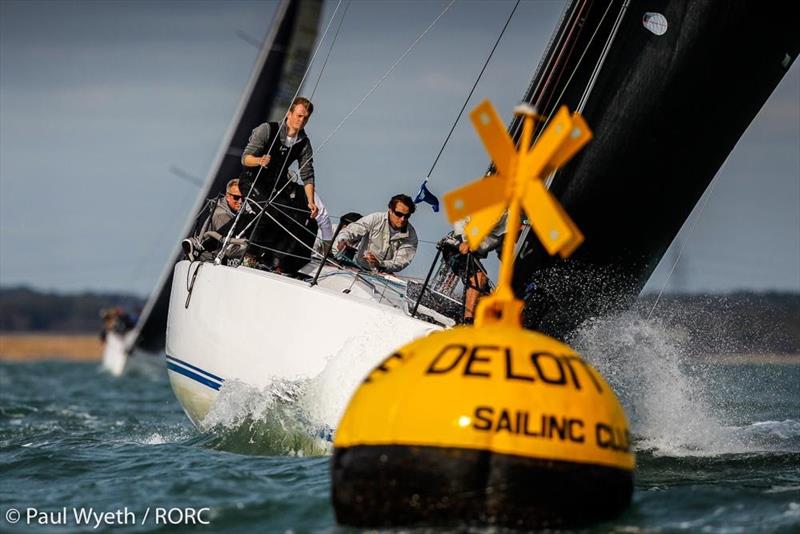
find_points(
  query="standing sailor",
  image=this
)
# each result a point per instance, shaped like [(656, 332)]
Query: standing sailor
[(275, 155)]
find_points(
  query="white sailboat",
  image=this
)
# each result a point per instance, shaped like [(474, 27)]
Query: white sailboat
[(292, 328), (220, 323), (115, 357)]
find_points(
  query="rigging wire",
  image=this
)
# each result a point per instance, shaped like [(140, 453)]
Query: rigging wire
[(478, 79), (333, 42), (386, 75), (297, 92), (587, 91), (602, 59), (218, 259), (338, 126), (548, 60), (683, 245), (515, 131), (458, 118)]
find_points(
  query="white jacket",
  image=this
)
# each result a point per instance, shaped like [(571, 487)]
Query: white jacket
[(394, 250)]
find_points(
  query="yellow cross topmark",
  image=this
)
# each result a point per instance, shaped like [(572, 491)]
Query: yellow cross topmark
[(519, 178)]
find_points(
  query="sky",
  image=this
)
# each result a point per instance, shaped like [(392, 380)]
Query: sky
[(100, 100)]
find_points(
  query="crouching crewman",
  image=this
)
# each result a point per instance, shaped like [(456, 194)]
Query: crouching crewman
[(386, 241)]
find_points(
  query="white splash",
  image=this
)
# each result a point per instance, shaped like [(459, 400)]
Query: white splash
[(298, 417), (665, 392), (269, 420), (160, 438), (329, 392), (238, 401)]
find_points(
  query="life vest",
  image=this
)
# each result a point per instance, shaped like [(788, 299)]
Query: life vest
[(274, 175)]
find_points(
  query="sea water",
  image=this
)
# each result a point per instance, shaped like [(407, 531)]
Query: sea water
[(718, 445)]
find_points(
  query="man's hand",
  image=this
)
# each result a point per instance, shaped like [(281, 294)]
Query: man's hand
[(340, 246), (463, 248), (372, 260), (256, 161), (313, 209)]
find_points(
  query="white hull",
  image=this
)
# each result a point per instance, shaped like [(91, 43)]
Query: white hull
[(114, 354), (256, 327)]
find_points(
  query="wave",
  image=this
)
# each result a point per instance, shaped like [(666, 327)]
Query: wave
[(673, 403), (297, 417), (269, 421)]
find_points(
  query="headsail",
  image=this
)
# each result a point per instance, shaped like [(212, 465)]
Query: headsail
[(277, 72), (668, 87)]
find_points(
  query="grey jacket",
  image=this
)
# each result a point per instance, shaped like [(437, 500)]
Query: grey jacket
[(221, 215), (395, 250), (258, 145)]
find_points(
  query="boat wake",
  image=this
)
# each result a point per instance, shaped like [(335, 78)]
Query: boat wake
[(677, 403), (296, 418), (269, 421)]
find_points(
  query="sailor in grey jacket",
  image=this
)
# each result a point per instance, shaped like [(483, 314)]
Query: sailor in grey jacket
[(386, 240)]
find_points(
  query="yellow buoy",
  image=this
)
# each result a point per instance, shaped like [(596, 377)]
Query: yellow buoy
[(490, 424)]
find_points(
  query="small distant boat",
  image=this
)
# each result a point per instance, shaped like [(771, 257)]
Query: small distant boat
[(115, 355)]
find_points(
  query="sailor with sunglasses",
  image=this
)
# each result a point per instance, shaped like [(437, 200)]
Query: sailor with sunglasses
[(209, 236), (386, 241)]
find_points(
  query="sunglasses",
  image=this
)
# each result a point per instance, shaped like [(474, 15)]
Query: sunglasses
[(237, 198), (401, 215)]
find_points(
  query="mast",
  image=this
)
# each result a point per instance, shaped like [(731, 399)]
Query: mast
[(276, 75), (666, 109)]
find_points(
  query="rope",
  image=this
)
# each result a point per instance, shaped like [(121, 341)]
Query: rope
[(218, 259), (602, 59), (283, 252), (683, 246), (572, 75), (478, 79), (298, 223), (275, 194), (333, 42), (190, 284), (383, 78)]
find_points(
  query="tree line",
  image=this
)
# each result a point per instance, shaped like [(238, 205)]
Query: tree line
[(741, 322), (23, 309)]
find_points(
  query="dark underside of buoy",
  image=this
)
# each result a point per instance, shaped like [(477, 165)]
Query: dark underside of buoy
[(411, 485)]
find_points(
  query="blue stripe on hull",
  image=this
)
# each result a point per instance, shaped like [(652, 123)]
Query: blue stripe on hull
[(194, 376), (190, 366)]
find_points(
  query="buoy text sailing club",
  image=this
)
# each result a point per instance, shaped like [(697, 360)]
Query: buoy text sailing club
[(548, 426), (496, 361)]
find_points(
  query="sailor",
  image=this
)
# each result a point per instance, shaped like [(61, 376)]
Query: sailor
[(214, 229), (324, 225), (275, 155), (386, 240), (470, 262)]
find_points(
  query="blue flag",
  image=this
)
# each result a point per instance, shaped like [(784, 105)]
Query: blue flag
[(426, 196)]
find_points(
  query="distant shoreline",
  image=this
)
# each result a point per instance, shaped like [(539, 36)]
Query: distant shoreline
[(739, 359), (35, 346)]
